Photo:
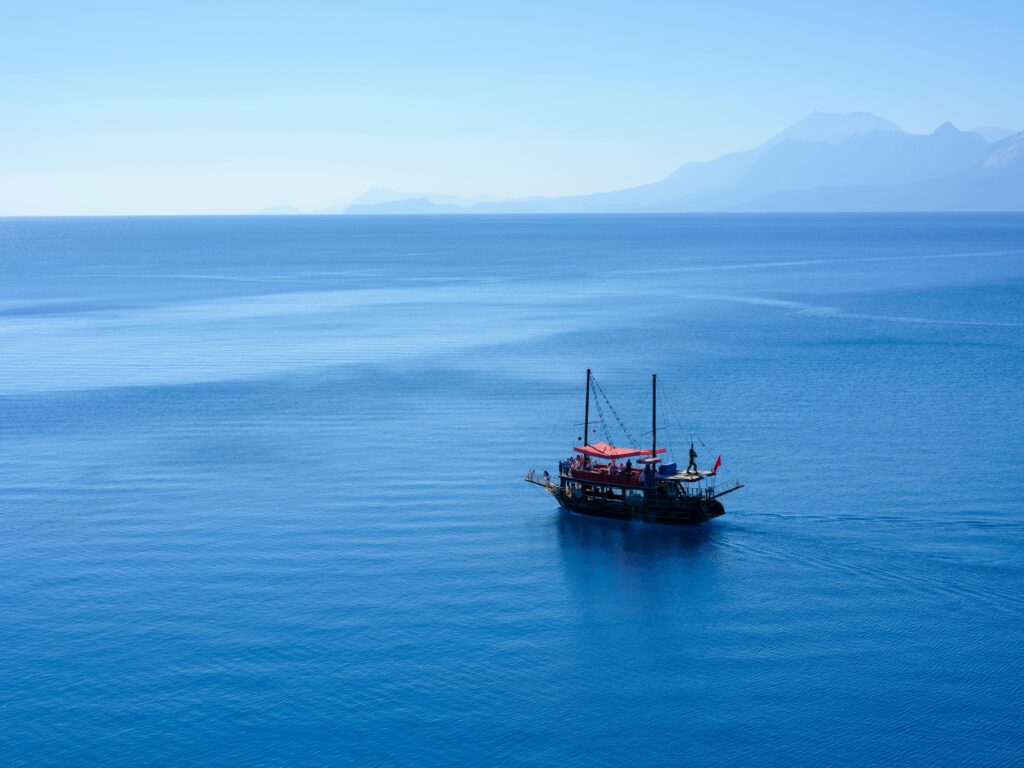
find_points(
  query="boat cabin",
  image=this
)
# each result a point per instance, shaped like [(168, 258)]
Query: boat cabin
[(617, 467)]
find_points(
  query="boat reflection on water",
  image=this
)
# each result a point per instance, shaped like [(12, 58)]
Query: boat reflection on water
[(634, 539), (615, 567)]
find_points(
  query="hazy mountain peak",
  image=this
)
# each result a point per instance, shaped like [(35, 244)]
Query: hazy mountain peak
[(377, 195), (947, 128), (833, 128), (992, 134), (381, 196), (1007, 152), (855, 161)]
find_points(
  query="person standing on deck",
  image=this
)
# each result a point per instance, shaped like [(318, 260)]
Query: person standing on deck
[(693, 460)]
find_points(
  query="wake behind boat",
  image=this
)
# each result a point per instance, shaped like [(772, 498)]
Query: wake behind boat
[(602, 480)]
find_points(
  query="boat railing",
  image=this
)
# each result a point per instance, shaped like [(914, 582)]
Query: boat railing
[(544, 479), (633, 477)]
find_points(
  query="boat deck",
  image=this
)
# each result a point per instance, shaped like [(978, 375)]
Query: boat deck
[(688, 477), (634, 478)]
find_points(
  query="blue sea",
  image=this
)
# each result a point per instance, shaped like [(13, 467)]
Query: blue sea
[(261, 496)]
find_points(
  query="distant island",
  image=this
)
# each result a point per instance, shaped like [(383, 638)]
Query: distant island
[(856, 162)]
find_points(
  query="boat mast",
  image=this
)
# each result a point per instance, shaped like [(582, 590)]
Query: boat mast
[(586, 415), (654, 415)]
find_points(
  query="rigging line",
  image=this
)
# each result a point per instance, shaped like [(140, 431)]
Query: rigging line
[(674, 413), (615, 413), (600, 411), (666, 430), (567, 401), (668, 435), (603, 422), (600, 414), (680, 424)]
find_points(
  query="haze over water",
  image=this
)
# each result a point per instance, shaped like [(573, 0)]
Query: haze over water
[(261, 497)]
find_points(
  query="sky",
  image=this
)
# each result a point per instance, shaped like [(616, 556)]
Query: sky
[(218, 107)]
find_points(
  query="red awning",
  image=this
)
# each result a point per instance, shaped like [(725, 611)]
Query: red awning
[(605, 451)]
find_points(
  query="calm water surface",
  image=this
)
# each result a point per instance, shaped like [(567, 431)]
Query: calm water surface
[(261, 498)]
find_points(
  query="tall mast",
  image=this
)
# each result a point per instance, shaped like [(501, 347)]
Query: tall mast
[(654, 414), (586, 415)]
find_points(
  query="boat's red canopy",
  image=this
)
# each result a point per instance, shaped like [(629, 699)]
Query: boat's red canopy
[(605, 451)]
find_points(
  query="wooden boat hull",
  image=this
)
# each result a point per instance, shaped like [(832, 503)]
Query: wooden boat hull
[(690, 512)]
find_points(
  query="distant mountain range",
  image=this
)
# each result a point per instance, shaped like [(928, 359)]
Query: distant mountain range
[(395, 202), (825, 162)]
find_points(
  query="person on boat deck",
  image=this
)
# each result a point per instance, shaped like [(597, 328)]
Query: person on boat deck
[(629, 466), (693, 460)]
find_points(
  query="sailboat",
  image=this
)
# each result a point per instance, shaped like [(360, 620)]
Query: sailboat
[(601, 479)]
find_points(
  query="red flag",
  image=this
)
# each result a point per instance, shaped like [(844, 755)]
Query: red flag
[(718, 463)]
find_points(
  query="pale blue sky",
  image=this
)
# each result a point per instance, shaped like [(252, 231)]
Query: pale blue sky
[(230, 107)]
